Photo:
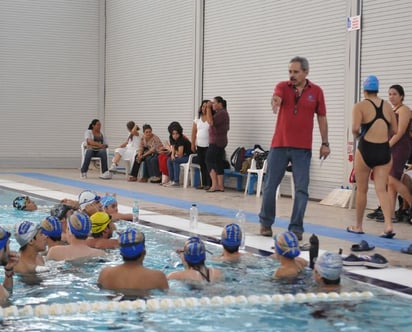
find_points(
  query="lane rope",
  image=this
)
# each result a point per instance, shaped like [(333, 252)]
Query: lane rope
[(58, 309)]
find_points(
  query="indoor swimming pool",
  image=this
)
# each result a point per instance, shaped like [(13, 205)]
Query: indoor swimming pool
[(67, 297)]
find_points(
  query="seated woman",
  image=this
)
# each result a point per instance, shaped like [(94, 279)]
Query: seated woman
[(193, 258), (128, 148), (96, 147), (149, 148), (180, 151), (287, 252)]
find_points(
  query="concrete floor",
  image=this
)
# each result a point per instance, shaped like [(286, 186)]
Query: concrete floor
[(219, 208)]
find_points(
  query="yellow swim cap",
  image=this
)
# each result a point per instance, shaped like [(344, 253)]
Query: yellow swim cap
[(100, 220)]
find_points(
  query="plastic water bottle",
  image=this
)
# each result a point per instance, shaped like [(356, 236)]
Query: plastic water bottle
[(194, 215), (135, 211), (241, 221), (313, 251)]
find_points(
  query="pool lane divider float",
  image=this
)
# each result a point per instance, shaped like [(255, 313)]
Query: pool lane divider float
[(58, 309)]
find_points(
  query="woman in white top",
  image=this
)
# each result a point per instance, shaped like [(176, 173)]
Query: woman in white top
[(200, 143), (128, 148)]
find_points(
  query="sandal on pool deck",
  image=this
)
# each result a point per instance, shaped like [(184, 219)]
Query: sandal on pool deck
[(376, 262), (362, 246), (387, 235), (352, 229), (407, 250)]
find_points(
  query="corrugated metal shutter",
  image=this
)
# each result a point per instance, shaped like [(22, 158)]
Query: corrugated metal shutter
[(50, 71), (386, 44), (247, 48), (150, 52)]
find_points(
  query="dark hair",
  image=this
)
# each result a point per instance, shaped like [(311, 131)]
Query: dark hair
[(175, 126), (231, 250), (220, 100), (130, 125), (55, 238), (146, 126), (400, 90), (331, 282), (93, 123), (304, 63), (199, 113)]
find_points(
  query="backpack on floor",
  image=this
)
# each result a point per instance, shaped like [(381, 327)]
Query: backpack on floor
[(237, 158)]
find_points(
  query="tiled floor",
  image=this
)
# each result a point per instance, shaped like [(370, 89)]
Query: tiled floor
[(170, 207)]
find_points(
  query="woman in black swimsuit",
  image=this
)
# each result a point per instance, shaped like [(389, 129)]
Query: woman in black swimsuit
[(372, 123)]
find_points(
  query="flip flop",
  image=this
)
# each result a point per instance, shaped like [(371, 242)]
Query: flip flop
[(388, 235), (350, 229), (407, 250), (362, 246)]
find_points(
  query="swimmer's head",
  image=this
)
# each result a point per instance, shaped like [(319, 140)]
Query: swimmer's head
[(132, 243), (25, 231), (231, 237), (287, 245), (329, 266), (194, 251), (79, 225), (51, 227)]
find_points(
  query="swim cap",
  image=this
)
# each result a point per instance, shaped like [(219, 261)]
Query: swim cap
[(51, 226), (100, 220), (329, 265), (60, 210), (79, 224), (87, 197), (194, 250), (20, 202), (231, 235), (4, 237), (371, 83), (132, 243), (287, 245), (25, 231), (108, 200)]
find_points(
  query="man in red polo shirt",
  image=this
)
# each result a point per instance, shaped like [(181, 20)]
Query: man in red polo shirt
[(296, 101)]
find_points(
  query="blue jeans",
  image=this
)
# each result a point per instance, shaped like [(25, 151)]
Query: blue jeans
[(173, 167), (278, 159), (101, 153)]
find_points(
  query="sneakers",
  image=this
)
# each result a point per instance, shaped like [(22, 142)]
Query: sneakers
[(113, 168), (83, 176), (266, 231), (376, 213), (106, 175), (155, 179), (382, 219), (171, 184)]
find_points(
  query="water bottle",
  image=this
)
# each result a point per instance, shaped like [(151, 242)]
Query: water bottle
[(135, 211), (313, 251), (194, 215), (241, 220)]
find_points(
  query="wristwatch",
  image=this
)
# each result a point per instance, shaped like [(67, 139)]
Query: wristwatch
[(325, 144)]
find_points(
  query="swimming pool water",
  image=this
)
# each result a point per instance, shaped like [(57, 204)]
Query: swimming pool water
[(71, 283)]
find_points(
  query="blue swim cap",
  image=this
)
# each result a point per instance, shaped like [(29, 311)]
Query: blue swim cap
[(329, 265), (132, 243), (79, 224), (108, 200), (4, 237), (371, 83), (194, 250), (20, 202), (51, 226), (231, 235), (287, 245)]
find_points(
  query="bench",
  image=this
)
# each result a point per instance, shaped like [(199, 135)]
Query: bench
[(240, 178)]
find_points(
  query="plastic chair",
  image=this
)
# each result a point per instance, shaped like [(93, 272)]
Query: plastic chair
[(83, 149), (128, 164), (190, 167)]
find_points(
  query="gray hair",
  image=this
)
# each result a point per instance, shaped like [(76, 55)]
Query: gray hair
[(304, 63)]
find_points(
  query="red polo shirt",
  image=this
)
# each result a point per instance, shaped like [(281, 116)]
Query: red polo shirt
[(295, 128)]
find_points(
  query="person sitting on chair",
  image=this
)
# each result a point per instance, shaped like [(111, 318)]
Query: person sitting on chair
[(96, 146)]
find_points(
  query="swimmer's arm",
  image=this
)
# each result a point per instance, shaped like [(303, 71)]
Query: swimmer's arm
[(356, 120)]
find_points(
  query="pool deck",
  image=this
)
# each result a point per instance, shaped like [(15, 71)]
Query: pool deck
[(168, 208)]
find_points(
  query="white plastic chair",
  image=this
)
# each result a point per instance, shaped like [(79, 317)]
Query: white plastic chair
[(83, 149), (190, 167), (260, 174), (128, 164)]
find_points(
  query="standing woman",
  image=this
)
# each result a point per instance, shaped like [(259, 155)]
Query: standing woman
[(200, 142), (372, 122), (96, 147), (219, 126), (400, 144)]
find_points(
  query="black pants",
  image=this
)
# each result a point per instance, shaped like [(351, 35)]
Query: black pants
[(201, 160)]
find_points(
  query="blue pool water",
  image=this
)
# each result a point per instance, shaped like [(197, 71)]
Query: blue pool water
[(73, 283)]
